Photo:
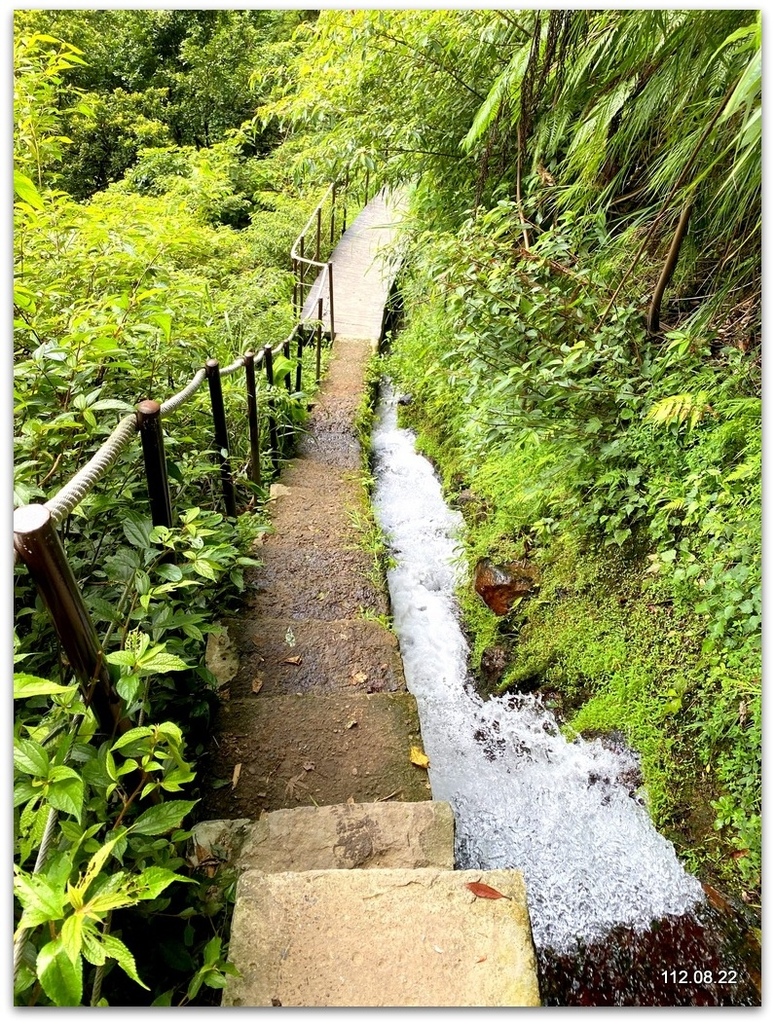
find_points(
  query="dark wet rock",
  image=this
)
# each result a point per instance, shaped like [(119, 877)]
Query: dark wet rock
[(472, 505), (499, 585), (495, 661), (404, 400)]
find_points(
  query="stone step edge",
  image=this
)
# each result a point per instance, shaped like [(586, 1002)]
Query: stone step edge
[(393, 937), (336, 836)]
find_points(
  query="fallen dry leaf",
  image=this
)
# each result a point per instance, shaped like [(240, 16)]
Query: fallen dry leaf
[(308, 766), (293, 660), (481, 959), (257, 684), (356, 678), (351, 724), (390, 795), (485, 892), (416, 756), (235, 776)]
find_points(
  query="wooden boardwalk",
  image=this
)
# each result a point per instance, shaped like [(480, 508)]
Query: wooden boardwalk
[(365, 265)]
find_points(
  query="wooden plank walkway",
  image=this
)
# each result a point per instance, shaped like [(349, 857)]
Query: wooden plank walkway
[(365, 266)]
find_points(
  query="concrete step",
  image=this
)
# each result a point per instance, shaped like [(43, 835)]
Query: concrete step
[(293, 656), (315, 583), (313, 750), (377, 835), (388, 937)]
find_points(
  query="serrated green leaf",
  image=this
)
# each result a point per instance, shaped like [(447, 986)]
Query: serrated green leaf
[(62, 980), (26, 191), (42, 901), (72, 936), (159, 660), (138, 533), (26, 685), (155, 880), (116, 949), (67, 795), (30, 757), (132, 736), (162, 818)]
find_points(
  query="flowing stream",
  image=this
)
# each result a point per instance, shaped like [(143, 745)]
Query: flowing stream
[(522, 794)]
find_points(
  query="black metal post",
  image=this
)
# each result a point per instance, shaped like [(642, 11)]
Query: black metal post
[(39, 547), (221, 435), (367, 188), (299, 355), (331, 298), (302, 272), (255, 449), (344, 202), (317, 236), (318, 339), (333, 213), (287, 355), (152, 437), (275, 448)]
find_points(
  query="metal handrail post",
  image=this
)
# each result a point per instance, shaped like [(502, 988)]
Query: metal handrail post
[(274, 446), (333, 215), (152, 438), (38, 544), (317, 235), (287, 355), (255, 448), (221, 435), (299, 356), (318, 339), (331, 298)]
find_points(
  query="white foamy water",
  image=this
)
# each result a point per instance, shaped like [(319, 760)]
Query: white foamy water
[(523, 795)]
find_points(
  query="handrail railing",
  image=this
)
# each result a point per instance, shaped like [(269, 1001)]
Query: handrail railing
[(36, 541)]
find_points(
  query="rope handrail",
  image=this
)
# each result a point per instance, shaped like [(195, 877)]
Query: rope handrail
[(294, 253), (78, 486)]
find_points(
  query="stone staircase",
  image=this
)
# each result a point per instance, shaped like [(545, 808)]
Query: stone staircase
[(359, 905), (347, 895)]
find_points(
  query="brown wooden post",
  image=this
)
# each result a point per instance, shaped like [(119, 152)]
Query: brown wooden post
[(344, 201), (333, 214), (274, 446), (255, 449), (152, 437), (38, 545), (366, 192), (221, 435)]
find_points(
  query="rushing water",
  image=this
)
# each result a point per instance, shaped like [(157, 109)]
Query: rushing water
[(523, 795)]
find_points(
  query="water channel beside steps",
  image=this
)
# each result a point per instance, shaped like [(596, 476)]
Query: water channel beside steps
[(523, 795)]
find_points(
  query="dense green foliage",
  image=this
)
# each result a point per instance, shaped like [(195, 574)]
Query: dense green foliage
[(584, 364), (117, 299), (584, 361)]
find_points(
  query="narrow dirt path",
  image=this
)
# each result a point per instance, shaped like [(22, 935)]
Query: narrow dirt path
[(318, 711)]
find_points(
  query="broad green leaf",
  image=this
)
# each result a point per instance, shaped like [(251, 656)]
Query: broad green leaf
[(41, 900), (26, 685), (159, 660), (162, 818), (171, 573), (116, 949), (72, 936), (138, 533), (126, 658), (153, 881), (131, 736), (26, 191), (30, 757), (67, 795), (62, 980)]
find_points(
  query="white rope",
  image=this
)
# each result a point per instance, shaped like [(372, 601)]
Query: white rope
[(76, 489)]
